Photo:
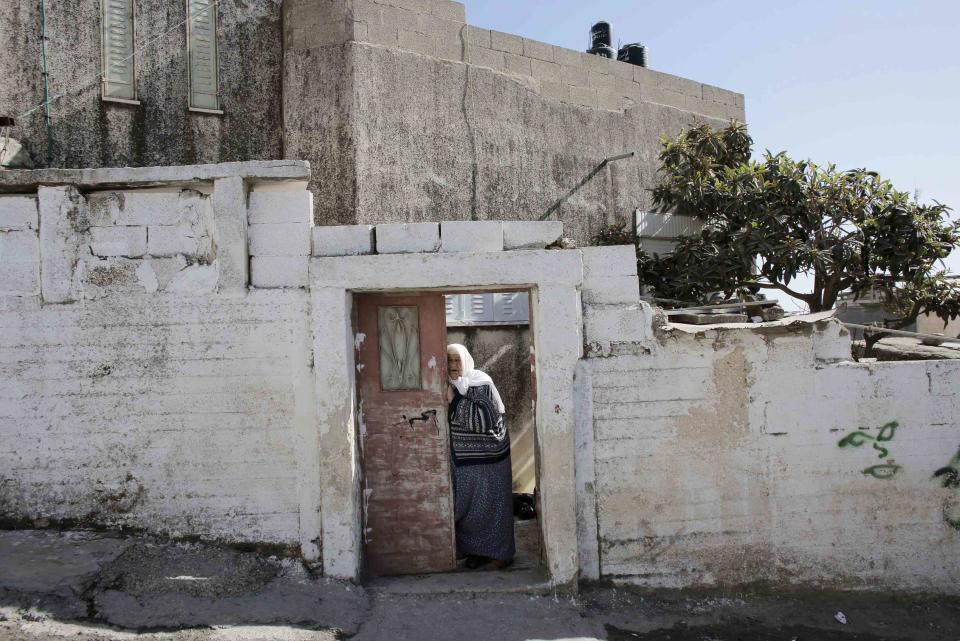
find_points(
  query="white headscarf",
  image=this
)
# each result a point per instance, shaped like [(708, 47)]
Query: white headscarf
[(470, 377)]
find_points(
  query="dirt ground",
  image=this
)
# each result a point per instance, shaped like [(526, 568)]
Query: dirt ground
[(92, 586)]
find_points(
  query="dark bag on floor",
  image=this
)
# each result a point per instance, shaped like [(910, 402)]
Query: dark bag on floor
[(524, 507)]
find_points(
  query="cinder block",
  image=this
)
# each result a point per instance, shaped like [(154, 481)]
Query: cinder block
[(21, 246), (613, 260), (230, 234), (18, 212), (538, 50), (679, 85), (567, 57), (471, 236), (483, 57), (506, 42), (574, 76), (20, 278), (417, 42), (537, 234), (601, 81), (612, 290), (407, 238), (517, 64), (621, 69), (343, 240), (402, 19), (118, 241), (477, 37), (281, 239), (278, 271), (545, 71), (132, 208), (19, 262), (171, 240), (716, 94), (605, 324), (294, 206), (383, 34), (449, 10)]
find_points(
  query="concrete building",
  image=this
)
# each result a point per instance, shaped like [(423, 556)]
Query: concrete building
[(405, 112), (179, 355)]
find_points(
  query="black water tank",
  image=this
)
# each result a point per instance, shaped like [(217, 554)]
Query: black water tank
[(634, 53), (601, 35)]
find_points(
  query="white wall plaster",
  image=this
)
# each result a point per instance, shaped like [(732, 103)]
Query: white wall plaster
[(166, 393)]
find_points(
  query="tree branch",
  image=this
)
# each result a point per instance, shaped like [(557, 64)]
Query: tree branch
[(779, 286)]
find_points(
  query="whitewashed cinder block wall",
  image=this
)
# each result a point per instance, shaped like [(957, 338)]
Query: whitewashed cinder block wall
[(715, 459), (159, 354), (143, 384)]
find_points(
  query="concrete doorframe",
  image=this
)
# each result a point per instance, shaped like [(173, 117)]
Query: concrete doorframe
[(554, 278)]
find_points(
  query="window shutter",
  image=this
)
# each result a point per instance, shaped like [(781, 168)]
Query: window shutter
[(452, 304), (511, 308), (478, 308), (202, 52), (117, 46)]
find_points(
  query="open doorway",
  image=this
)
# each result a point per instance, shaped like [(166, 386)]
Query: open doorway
[(408, 474), (495, 328)]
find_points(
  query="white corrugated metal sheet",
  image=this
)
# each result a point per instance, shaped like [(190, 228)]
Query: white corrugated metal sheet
[(488, 308)]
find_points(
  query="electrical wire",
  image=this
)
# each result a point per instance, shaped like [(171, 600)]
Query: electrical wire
[(100, 77), (46, 80)]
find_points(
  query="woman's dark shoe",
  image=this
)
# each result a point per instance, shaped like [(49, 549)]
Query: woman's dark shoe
[(501, 564), (475, 562)]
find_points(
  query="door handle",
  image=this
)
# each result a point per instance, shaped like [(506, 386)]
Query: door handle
[(424, 416)]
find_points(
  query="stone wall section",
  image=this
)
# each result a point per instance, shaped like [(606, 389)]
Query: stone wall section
[(717, 459), (437, 28)]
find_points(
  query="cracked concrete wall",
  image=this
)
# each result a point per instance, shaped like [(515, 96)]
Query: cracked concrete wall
[(723, 457), (88, 132), (422, 117)]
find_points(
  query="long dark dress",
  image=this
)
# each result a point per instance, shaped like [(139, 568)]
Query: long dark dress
[(482, 476)]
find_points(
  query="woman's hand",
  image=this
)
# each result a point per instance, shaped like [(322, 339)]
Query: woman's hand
[(449, 395)]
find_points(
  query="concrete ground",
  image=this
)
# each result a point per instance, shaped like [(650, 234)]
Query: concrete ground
[(99, 586)]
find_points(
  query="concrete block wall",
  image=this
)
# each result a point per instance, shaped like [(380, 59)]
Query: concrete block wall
[(717, 459), (437, 28), (168, 412), (19, 245), (279, 232), (139, 387)]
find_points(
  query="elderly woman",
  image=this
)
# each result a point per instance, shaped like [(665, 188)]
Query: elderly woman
[(482, 478)]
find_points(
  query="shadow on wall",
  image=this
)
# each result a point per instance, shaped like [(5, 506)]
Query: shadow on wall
[(504, 354)]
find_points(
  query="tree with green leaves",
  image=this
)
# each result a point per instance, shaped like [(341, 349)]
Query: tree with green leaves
[(768, 221)]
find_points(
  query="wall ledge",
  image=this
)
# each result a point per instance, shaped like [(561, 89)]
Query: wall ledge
[(28, 180)]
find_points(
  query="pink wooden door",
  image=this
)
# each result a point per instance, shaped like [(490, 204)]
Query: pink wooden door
[(408, 500)]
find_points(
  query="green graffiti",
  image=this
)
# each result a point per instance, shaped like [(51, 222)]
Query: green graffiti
[(949, 476), (854, 439), (888, 431), (859, 438), (950, 472), (884, 472)]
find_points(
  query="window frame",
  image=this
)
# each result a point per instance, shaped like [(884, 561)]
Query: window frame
[(133, 53), (218, 111)]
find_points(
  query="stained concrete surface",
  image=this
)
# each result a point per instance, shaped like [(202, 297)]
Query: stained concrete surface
[(147, 589)]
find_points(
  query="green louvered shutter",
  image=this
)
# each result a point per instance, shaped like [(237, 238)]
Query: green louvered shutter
[(117, 44), (202, 44)]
